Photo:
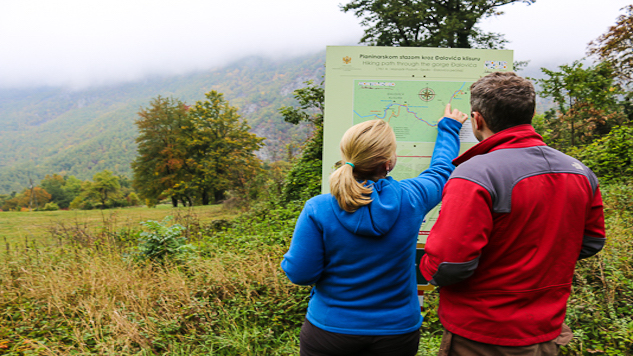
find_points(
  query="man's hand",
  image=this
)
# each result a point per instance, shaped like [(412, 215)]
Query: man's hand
[(455, 114)]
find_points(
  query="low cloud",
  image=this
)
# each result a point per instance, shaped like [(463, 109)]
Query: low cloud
[(81, 43), (76, 43)]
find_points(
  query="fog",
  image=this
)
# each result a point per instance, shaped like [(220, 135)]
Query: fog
[(76, 44)]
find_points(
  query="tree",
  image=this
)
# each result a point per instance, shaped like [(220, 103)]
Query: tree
[(32, 198), (198, 152), (587, 103), (105, 185), (161, 149), (62, 189), (220, 150), (311, 105), (428, 23), (103, 192), (616, 46), (304, 178)]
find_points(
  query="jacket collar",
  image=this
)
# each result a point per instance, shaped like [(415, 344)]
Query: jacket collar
[(514, 137)]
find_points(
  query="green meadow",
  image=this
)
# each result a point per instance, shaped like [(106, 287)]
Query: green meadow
[(41, 226)]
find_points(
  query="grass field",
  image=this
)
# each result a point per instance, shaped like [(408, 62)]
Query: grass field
[(228, 295), (36, 226)]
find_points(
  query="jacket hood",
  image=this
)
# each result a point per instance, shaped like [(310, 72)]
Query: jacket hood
[(379, 216)]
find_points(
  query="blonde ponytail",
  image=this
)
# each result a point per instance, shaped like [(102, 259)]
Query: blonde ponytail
[(365, 148)]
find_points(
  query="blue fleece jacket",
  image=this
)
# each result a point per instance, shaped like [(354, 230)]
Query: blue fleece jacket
[(362, 264)]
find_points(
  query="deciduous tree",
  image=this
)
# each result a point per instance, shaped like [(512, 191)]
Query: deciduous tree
[(32, 198), (162, 152), (193, 153), (104, 187), (587, 103), (616, 46), (103, 192), (304, 179), (220, 149), (428, 23), (62, 189)]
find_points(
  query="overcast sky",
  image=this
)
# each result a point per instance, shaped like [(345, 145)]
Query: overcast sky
[(77, 43)]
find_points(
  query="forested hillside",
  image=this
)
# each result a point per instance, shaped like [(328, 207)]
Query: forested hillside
[(53, 130)]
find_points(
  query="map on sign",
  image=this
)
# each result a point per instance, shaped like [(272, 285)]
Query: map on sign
[(412, 109)]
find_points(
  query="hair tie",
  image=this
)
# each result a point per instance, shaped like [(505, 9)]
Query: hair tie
[(351, 164)]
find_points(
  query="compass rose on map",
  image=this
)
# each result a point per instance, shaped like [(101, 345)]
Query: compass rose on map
[(426, 94)]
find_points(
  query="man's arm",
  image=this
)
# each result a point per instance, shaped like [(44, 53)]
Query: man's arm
[(593, 239), (461, 231)]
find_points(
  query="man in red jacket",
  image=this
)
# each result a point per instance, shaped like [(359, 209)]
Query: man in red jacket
[(516, 216)]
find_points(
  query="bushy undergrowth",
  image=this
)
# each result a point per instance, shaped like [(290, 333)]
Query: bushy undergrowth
[(230, 296), (85, 297), (599, 310)]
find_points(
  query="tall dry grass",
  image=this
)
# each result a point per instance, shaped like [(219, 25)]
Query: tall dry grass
[(86, 302)]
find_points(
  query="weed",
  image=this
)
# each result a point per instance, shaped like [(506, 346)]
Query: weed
[(161, 242)]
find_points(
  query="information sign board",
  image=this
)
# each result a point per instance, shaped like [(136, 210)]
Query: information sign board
[(408, 87)]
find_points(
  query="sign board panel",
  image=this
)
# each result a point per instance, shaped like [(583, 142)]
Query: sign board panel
[(408, 87)]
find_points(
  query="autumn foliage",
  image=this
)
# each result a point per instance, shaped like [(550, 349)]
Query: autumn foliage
[(193, 154)]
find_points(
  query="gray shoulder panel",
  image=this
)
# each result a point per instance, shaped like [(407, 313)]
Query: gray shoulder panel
[(499, 171), (562, 163)]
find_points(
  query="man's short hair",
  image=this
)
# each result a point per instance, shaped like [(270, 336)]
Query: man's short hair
[(504, 100)]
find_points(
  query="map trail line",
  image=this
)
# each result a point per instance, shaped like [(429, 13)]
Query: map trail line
[(457, 91), (400, 106)]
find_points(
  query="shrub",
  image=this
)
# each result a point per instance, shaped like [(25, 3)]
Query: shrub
[(618, 200), (610, 156), (133, 199), (161, 242), (51, 206)]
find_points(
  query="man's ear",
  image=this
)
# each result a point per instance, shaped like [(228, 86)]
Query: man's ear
[(478, 121)]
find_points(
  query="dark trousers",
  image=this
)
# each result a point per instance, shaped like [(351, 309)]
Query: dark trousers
[(318, 342)]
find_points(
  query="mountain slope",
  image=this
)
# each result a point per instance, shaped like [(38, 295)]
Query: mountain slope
[(51, 130)]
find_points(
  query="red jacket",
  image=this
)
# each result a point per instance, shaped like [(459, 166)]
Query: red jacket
[(516, 216)]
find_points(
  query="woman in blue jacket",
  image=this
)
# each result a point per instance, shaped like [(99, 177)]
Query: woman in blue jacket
[(357, 245)]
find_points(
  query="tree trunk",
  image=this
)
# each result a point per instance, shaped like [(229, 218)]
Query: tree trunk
[(218, 195), (174, 201), (573, 142), (462, 40), (205, 197), (571, 119)]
